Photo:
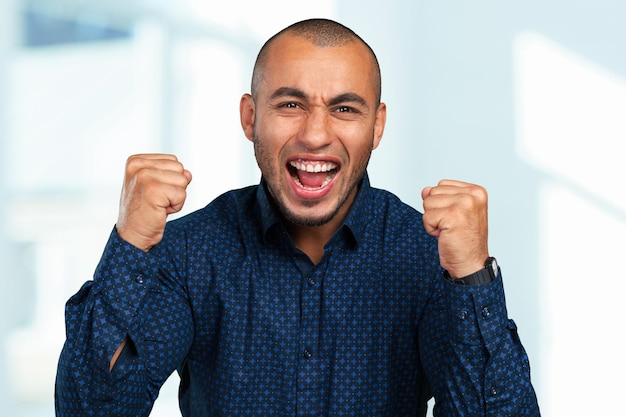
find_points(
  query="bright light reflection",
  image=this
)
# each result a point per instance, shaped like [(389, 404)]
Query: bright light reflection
[(572, 117), (571, 122)]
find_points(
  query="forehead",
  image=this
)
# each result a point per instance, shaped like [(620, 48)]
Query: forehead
[(294, 61)]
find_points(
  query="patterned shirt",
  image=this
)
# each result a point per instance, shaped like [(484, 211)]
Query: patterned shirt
[(254, 328)]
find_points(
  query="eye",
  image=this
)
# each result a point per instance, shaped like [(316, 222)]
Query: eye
[(289, 108), (289, 105), (347, 110), (347, 113)]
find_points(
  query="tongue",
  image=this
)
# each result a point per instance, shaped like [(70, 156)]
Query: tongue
[(312, 179)]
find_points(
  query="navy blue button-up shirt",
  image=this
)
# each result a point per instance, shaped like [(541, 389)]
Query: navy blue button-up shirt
[(254, 328)]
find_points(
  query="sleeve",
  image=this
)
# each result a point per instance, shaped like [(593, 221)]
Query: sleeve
[(472, 355), (132, 295)]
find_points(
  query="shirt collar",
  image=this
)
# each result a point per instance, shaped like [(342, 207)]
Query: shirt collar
[(355, 223)]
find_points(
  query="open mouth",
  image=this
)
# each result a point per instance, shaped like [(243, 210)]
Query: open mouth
[(312, 175)]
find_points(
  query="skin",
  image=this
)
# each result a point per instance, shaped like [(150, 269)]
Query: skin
[(456, 213), (154, 187), (299, 113)]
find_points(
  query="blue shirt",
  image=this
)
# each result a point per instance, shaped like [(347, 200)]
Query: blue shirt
[(255, 329)]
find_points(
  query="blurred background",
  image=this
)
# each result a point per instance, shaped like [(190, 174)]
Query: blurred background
[(526, 98)]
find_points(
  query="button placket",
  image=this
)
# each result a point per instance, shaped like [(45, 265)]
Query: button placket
[(308, 369)]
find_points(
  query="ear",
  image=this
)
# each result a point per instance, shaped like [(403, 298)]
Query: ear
[(379, 123), (246, 115)]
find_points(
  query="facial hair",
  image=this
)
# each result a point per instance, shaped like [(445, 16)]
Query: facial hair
[(265, 162)]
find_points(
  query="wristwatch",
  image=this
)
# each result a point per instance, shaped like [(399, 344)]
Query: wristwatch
[(483, 276)]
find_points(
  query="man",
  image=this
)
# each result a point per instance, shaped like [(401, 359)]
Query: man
[(311, 294)]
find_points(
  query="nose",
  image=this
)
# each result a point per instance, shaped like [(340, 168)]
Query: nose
[(315, 132)]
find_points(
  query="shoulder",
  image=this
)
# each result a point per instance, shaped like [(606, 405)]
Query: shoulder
[(409, 254), (221, 217), (392, 208), (400, 223)]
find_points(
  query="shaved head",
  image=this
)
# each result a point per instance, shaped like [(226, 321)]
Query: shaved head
[(323, 33)]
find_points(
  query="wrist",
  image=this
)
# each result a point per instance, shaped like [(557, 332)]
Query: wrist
[(134, 238), (484, 275)]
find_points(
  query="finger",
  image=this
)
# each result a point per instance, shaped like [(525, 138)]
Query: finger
[(174, 198), (431, 228), (454, 187), (450, 187), (148, 156), (426, 192), (455, 183), (439, 220), (187, 175), (468, 197), (136, 164), (432, 221), (156, 176)]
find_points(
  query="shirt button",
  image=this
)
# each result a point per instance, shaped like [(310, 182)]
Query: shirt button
[(486, 312), (463, 314), (493, 390), (307, 354), (312, 281), (139, 279)]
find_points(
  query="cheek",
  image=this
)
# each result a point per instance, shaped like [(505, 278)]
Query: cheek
[(359, 142), (274, 138), (267, 154)]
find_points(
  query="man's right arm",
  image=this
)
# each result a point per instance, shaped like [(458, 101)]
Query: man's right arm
[(130, 299), (118, 352)]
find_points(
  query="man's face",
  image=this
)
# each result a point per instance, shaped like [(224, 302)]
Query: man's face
[(314, 123)]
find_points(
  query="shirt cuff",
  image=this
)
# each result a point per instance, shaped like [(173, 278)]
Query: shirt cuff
[(478, 312), (123, 277)]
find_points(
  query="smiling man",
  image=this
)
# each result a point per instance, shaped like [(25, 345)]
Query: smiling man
[(310, 294)]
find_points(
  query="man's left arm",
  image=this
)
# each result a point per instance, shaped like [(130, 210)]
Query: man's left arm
[(471, 351)]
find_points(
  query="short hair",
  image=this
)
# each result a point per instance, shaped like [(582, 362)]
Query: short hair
[(323, 33)]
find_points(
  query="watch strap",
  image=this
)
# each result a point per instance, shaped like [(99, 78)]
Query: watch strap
[(482, 276)]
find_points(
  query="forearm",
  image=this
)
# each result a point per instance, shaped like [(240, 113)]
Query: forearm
[(85, 385), (125, 304)]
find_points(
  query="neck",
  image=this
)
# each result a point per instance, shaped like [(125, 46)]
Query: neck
[(311, 240)]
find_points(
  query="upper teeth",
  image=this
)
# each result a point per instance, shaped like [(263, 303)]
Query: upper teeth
[(302, 166)]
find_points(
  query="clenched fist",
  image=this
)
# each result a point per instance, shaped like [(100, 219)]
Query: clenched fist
[(154, 187), (456, 213)]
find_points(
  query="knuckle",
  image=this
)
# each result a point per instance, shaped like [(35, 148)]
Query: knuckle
[(479, 192), (134, 163), (143, 174)]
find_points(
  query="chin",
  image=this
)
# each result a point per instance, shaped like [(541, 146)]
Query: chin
[(307, 219)]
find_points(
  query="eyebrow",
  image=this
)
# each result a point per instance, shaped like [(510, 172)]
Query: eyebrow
[(348, 98), (297, 93), (288, 92)]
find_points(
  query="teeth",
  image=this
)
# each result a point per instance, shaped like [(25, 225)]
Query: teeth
[(301, 166), (327, 167)]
